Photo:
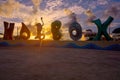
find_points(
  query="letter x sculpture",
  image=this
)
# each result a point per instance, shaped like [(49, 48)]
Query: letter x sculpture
[(102, 28)]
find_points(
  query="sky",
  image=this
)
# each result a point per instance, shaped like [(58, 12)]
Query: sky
[(30, 12)]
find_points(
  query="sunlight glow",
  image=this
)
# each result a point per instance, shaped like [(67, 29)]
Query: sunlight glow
[(83, 38)]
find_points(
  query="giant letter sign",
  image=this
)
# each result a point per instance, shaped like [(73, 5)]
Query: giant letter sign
[(75, 31), (102, 28), (24, 33), (55, 26), (8, 31)]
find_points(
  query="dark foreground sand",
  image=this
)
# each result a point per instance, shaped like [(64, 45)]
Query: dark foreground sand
[(35, 63)]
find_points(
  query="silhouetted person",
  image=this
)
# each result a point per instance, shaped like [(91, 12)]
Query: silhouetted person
[(39, 29)]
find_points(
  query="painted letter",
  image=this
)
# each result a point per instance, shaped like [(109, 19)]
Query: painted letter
[(102, 28)]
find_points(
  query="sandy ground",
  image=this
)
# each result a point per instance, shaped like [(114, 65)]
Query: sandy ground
[(35, 63)]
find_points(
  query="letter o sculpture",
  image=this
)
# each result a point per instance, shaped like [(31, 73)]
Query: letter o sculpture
[(55, 26), (75, 27)]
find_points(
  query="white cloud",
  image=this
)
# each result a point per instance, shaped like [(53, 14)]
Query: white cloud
[(54, 3), (77, 9)]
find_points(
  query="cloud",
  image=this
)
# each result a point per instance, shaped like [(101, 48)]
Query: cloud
[(113, 10), (51, 4), (36, 4), (73, 12), (102, 2), (28, 13), (92, 4), (115, 24), (7, 8), (13, 9), (91, 17), (77, 9), (15, 19)]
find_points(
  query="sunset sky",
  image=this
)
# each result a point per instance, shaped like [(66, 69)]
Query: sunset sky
[(30, 12)]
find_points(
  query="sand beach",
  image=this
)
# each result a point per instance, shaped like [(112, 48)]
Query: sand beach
[(50, 63)]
